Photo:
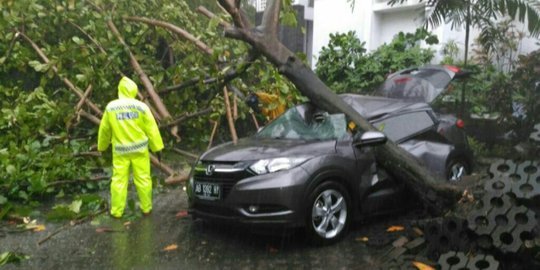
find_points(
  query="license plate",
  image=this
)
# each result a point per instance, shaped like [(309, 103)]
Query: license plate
[(207, 191)]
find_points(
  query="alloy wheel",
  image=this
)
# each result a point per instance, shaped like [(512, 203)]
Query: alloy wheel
[(329, 213)]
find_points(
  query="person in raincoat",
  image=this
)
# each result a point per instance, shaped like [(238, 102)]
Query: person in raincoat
[(131, 128)]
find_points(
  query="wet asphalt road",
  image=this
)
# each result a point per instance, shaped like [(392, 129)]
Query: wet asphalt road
[(141, 244)]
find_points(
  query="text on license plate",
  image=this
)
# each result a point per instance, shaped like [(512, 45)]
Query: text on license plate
[(209, 191)]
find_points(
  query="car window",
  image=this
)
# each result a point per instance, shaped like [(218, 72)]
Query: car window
[(316, 126), (438, 78), (402, 126), (423, 85)]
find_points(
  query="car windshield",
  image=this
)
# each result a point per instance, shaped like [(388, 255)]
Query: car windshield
[(303, 123)]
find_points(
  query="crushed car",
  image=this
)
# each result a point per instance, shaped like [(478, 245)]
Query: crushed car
[(310, 168)]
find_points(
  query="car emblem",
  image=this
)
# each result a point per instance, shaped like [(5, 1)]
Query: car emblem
[(210, 169)]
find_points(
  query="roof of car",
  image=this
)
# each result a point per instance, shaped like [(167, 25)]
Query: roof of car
[(372, 107)]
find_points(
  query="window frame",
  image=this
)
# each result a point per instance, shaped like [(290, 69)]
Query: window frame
[(429, 113)]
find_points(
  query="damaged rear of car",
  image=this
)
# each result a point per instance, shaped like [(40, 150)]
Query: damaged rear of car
[(430, 84)]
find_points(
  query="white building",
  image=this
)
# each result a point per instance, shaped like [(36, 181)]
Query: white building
[(376, 23)]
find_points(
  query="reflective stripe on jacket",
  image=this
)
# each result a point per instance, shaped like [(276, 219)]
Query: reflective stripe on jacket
[(128, 124)]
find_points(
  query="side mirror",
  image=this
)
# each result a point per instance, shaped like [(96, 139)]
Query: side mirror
[(369, 138)]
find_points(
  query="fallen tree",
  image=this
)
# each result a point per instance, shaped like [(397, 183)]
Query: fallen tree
[(435, 193)]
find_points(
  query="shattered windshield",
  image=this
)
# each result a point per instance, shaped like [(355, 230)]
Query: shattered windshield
[(299, 123)]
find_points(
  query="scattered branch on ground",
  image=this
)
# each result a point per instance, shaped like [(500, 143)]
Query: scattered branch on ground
[(78, 181), (71, 224)]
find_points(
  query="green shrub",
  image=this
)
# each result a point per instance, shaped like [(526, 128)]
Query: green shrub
[(346, 66)]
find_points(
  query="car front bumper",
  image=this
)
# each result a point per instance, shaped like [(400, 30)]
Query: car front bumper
[(274, 199)]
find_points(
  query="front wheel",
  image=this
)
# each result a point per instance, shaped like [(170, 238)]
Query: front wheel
[(328, 213)]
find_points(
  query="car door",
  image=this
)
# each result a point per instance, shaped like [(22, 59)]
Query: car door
[(416, 132)]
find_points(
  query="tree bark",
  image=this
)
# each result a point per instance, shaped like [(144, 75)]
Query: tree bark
[(436, 194)]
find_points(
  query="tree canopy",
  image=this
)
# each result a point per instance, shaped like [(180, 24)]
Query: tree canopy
[(60, 62)]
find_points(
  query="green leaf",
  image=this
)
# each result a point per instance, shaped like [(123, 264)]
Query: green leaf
[(11, 257), (10, 169), (80, 77), (5, 210), (289, 19), (77, 40), (61, 212), (3, 199), (23, 195), (76, 206)]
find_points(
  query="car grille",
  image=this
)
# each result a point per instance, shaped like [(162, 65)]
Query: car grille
[(226, 180)]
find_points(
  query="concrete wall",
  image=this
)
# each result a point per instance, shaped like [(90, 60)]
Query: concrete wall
[(331, 16)]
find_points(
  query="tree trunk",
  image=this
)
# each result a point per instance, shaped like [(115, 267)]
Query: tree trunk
[(436, 194)]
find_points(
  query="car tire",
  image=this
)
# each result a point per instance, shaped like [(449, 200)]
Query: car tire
[(456, 169), (328, 213)]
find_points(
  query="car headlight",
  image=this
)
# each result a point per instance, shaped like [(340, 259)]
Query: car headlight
[(276, 164)]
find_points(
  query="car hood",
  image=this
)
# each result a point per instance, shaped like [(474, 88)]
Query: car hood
[(254, 148)]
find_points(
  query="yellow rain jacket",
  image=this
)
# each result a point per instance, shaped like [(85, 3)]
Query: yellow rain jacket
[(131, 128)]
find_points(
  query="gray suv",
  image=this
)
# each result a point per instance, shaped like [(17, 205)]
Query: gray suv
[(312, 169)]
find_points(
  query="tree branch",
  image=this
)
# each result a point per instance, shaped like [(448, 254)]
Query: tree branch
[(88, 36), (204, 11), (229, 76), (270, 19), (228, 112), (72, 223), (90, 117), (186, 116), (83, 99), (176, 179), (240, 20), (214, 129), (185, 153), (175, 29), (66, 81), (88, 154), (11, 45), (78, 181)]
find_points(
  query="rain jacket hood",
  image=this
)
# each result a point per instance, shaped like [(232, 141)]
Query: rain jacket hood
[(127, 88), (128, 124)]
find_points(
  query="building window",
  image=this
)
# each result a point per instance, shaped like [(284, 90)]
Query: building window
[(261, 5)]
